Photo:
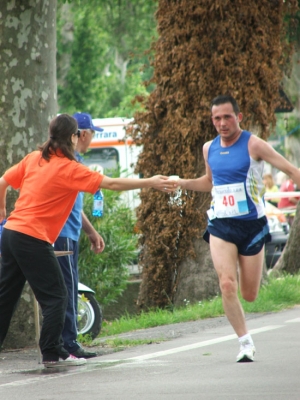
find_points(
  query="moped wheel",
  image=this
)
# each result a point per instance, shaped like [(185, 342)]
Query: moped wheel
[(89, 316)]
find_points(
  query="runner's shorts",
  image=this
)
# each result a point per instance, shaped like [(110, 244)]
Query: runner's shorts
[(248, 235)]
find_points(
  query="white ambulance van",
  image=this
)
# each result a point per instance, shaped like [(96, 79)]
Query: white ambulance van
[(113, 148)]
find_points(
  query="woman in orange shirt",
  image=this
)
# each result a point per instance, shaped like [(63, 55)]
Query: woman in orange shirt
[(49, 180)]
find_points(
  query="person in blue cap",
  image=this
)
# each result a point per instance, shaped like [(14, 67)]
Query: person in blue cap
[(68, 240)]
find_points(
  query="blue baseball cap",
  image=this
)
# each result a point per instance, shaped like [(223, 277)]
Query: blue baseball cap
[(84, 121)]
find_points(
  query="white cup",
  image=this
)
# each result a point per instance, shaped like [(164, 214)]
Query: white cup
[(174, 177)]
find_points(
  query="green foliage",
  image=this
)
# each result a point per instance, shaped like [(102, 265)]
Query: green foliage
[(101, 61), (128, 105), (85, 339), (277, 294), (107, 273), (79, 73), (158, 317), (293, 126), (118, 343), (285, 126)]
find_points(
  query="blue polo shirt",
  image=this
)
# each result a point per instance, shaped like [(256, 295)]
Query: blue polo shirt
[(73, 225)]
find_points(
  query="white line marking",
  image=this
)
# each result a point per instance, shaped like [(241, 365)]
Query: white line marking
[(140, 358), (292, 320), (201, 344), (37, 379)]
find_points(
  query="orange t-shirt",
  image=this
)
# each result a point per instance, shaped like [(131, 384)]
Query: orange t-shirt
[(48, 191)]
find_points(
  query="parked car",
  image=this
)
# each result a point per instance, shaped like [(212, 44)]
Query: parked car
[(279, 230)]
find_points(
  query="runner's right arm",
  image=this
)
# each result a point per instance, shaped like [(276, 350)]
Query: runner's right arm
[(202, 184)]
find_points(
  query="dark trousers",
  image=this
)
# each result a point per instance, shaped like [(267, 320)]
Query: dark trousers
[(26, 258), (69, 270)]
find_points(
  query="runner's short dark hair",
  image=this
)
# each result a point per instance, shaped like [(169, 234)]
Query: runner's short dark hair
[(225, 98)]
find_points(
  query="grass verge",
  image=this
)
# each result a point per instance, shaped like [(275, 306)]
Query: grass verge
[(277, 294)]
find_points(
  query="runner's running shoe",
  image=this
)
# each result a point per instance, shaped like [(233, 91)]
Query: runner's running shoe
[(247, 351)]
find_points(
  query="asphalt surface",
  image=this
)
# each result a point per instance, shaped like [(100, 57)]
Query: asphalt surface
[(13, 360), (195, 362)]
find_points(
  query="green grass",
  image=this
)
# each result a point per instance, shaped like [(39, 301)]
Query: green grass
[(276, 295), (119, 343)]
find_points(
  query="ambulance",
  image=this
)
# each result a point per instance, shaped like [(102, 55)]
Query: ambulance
[(113, 149)]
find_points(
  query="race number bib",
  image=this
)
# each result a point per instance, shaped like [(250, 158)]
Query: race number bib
[(230, 200)]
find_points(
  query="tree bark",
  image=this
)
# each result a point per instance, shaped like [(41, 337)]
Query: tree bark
[(28, 102), (204, 49), (21, 332), (289, 259), (198, 279)]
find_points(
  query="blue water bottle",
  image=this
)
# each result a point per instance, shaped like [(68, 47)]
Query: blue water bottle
[(98, 204)]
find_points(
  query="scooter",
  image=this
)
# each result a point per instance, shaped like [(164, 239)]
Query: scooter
[(89, 314)]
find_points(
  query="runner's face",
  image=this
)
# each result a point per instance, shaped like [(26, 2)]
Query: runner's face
[(226, 121)]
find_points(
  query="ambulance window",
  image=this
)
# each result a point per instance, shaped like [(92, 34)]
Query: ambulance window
[(106, 157)]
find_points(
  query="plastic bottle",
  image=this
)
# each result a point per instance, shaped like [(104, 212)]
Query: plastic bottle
[(98, 204)]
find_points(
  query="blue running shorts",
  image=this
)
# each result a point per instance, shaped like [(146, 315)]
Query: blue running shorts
[(249, 236)]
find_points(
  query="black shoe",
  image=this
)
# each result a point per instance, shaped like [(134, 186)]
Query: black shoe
[(81, 353)]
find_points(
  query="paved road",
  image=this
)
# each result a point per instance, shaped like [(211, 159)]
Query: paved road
[(199, 363)]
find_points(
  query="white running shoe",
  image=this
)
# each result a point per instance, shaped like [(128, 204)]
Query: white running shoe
[(71, 361), (246, 354)]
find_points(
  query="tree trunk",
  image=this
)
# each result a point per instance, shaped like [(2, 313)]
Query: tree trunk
[(204, 49), (28, 102), (66, 39), (289, 259), (21, 332), (198, 279)]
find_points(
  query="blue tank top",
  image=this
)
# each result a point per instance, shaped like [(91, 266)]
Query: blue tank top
[(233, 165)]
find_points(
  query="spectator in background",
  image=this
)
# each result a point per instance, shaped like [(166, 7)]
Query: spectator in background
[(288, 202), (68, 239), (270, 188), (49, 181)]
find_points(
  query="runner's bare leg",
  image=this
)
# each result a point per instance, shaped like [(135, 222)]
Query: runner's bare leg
[(225, 259)]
